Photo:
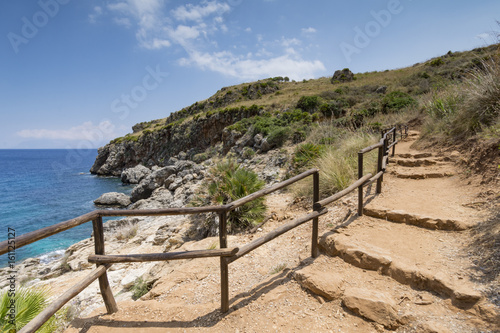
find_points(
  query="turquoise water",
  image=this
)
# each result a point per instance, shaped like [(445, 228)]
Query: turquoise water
[(44, 187)]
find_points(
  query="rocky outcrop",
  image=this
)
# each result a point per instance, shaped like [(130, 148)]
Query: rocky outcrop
[(344, 75), (169, 177), (135, 175), (113, 199), (157, 147)]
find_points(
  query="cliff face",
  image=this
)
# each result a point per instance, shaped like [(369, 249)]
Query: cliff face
[(156, 147)]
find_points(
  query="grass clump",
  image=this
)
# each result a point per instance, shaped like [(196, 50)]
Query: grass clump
[(277, 269), (126, 232), (305, 154), (464, 111), (29, 302), (140, 288), (228, 181), (338, 163)]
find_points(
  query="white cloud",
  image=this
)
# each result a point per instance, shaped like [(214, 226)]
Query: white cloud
[(228, 64), (287, 42), (191, 12), (309, 30), (123, 21), (87, 131), (194, 28), (183, 33), (95, 14)]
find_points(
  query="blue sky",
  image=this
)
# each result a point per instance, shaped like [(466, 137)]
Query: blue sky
[(76, 74)]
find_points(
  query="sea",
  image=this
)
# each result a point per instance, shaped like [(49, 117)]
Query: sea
[(42, 187)]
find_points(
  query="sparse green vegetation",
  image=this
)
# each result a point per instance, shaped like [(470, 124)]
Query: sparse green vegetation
[(228, 181), (396, 101), (308, 103), (140, 288), (436, 62), (29, 302), (126, 232), (305, 154), (277, 269), (463, 111)]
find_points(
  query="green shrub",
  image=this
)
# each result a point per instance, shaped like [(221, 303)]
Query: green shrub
[(437, 62), (308, 103), (465, 112), (29, 302), (228, 181), (278, 136), (247, 153), (305, 154), (396, 101), (198, 158), (296, 116), (335, 108)]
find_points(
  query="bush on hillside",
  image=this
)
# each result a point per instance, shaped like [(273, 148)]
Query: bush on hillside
[(227, 182), (462, 113), (396, 101), (308, 103)]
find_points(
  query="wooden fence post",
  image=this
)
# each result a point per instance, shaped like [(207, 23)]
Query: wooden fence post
[(314, 245), (379, 167), (360, 188), (224, 266), (394, 138), (106, 292)]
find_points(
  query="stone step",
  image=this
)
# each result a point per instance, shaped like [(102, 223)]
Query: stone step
[(422, 175), (414, 162), (400, 216), (414, 155), (378, 298), (370, 257)]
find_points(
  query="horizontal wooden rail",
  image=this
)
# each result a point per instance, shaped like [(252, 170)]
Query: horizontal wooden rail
[(374, 178), (162, 212), (104, 259), (372, 147), (275, 233), (392, 144), (342, 193), (49, 311), (33, 236), (263, 192)]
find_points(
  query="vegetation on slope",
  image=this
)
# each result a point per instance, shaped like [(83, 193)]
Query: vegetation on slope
[(227, 182), (457, 93)]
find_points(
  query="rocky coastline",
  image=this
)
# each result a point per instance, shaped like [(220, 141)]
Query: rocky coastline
[(173, 185)]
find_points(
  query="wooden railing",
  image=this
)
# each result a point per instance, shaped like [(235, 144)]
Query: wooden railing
[(227, 255)]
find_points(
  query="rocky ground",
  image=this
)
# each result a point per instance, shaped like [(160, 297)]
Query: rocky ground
[(405, 266)]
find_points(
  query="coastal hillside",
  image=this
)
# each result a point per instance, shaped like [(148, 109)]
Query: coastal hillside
[(424, 256), (271, 113)]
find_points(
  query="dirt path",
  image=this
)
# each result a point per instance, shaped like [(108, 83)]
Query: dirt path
[(402, 266)]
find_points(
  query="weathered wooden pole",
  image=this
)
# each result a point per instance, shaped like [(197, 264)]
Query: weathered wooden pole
[(379, 166), (394, 138), (314, 245), (106, 292), (360, 188), (224, 265)]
